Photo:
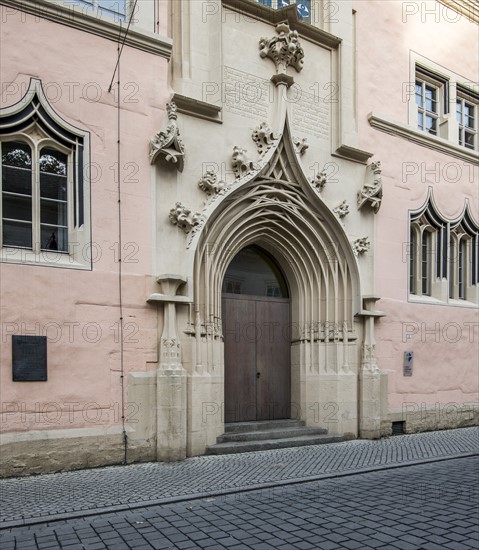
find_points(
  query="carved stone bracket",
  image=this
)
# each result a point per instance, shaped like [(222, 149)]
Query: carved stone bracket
[(264, 137), (210, 185), (319, 181), (301, 145), (184, 218), (241, 165), (168, 143), (372, 191), (360, 246), (342, 209), (285, 49)]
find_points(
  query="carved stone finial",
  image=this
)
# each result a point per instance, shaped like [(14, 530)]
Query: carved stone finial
[(301, 145), (342, 209), (319, 181), (360, 246), (372, 191), (210, 185), (168, 143), (182, 216), (264, 137), (241, 165), (285, 49)]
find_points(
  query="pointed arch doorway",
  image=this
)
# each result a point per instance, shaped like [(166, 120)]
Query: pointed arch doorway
[(257, 338)]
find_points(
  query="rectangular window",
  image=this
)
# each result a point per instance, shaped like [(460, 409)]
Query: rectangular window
[(303, 7), (427, 107), (466, 114)]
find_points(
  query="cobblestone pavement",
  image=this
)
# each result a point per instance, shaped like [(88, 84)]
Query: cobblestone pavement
[(39, 498), (428, 506)]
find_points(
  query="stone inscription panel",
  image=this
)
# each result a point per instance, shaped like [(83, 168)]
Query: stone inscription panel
[(29, 358), (246, 94), (311, 114)]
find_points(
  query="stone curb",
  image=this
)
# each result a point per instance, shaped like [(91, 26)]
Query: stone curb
[(11, 524)]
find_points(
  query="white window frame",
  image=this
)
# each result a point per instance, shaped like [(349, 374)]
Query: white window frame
[(79, 255), (463, 98), (451, 86)]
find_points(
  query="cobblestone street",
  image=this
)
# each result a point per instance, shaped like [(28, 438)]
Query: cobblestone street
[(428, 506), (410, 492)]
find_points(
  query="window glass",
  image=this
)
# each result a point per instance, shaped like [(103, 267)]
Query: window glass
[(17, 194), (53, 200), (253, 272)]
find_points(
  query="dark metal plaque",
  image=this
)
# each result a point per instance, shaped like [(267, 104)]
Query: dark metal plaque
[(29, 358)]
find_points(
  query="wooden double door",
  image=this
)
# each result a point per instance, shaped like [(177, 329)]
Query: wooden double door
[(257, 340)]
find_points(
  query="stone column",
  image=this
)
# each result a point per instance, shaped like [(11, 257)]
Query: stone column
[(171, 404), (369, 376)]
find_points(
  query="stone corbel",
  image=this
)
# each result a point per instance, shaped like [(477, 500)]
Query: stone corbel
[(372, 191), (168, 143)]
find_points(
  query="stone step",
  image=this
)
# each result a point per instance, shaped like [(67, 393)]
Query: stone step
[(261, 425), (277, 433), (267, 444)]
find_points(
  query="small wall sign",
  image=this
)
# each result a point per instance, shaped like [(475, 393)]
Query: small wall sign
[(408, 362)]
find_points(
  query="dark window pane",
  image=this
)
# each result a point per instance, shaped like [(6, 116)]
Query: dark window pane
[(17, 208), (53, 186), (53, 212), (469, 140), (16, 154), (254, 273), (17, 180), (17, 234), (54, 238)]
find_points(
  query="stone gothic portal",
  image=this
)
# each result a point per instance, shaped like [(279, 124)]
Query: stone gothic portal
[(257, 338)]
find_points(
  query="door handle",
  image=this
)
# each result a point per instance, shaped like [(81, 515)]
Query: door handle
[(258, 374)]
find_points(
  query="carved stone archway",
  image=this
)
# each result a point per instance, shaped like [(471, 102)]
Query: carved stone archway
[(281, 211)]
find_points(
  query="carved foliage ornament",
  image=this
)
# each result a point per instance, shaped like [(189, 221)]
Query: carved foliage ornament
[(285, 49), (210, 185), (372, 191), (319, 181), (264, 137), (342, 209), (301, 145), (168, 143), (184, 218), (360, 246), (240, 163)]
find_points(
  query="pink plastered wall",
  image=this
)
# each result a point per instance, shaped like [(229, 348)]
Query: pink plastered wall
[(79, 310), (444, 338)]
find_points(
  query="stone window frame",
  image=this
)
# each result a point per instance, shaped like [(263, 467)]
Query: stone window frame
[(33, 121), (446, 237), (450, 86), (465, 97)]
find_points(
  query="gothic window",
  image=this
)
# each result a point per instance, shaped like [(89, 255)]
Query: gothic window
[(44, 198)]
